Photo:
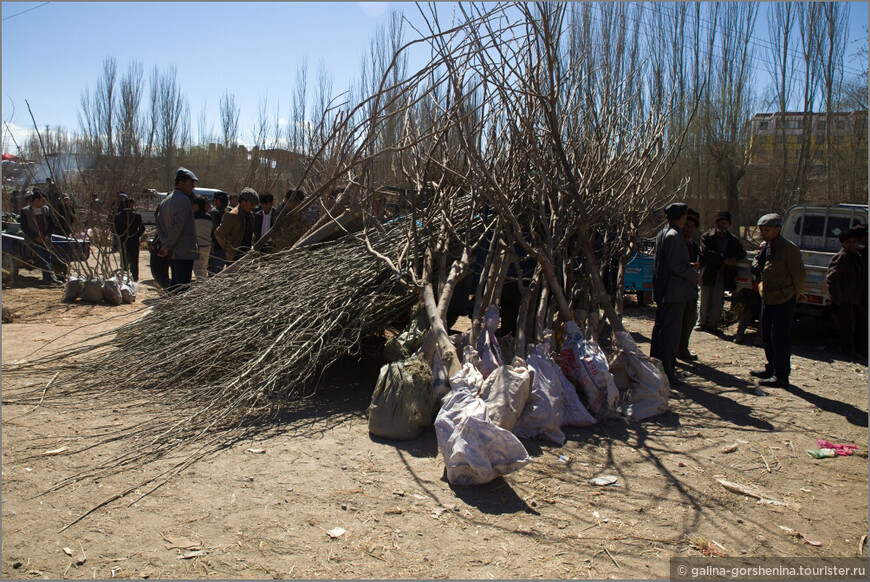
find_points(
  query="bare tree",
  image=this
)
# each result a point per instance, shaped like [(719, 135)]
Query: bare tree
[(730, 101), (832, 46), (781, 19), (172, 117)]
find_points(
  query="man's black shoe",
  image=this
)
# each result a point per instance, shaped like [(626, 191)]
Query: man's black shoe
[(774, 382), (765, 373), (687, 356)]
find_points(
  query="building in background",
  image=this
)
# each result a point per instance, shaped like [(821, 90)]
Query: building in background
[(803, 135)]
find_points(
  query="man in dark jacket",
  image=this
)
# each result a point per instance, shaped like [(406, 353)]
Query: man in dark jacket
[(847, 283), (37, 222), (690, 314), (177, 232), (218, 258), (264, 218), (674, 281), (129, 228), (65, 216), (720, 251)]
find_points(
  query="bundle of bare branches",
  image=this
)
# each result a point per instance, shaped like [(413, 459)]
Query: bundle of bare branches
[(230, 353)]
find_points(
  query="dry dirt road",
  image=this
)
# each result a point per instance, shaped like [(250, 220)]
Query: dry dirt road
[(264, 508)]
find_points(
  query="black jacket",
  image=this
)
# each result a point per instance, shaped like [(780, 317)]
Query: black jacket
[(712, 262), (258, 221), (128, 226)]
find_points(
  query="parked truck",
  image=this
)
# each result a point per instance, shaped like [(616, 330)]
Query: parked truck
[(815, 230)]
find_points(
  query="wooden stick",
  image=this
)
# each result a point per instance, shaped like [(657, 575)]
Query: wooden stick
[(611, 556), (765, 462)]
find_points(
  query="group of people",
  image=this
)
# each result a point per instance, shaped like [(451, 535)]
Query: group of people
[(47, 212), (197, 236), (681, 265)]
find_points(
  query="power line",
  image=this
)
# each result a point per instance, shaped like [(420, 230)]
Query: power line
[(25, 11)]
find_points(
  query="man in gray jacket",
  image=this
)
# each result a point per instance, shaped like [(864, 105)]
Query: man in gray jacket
[(177, 232), (674, 282)]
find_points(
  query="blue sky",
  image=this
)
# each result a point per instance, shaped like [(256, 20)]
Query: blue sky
[(52, 51)]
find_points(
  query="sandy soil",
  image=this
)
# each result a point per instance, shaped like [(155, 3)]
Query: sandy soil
[(263, 508)]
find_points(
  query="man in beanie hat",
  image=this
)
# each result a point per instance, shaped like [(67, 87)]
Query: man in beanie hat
[(674, 281), (176, 231), (720, 251), (690, 314), (783, 279), (236, 231)]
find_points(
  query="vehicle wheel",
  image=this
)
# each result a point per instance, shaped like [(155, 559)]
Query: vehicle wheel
[(642, 299)]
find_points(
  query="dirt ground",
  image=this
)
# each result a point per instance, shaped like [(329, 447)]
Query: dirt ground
[(264, 508)]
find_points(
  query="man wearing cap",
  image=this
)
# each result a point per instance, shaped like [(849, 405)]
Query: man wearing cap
[(66, 216), (690, 314), (720, 251), (236, 231), (37, 223), (176, 231), (674, 283), (847, 284), (782, 280)]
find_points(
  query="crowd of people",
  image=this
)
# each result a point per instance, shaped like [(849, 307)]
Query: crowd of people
[(682, 266), (200, 237)]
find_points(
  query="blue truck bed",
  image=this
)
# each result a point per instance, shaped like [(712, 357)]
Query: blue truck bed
[(639, 277)]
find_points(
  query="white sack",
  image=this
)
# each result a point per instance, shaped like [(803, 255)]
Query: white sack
[(574, 413), (542, 415), (475, 450), (112, 292), (648, 388), (505, 392)]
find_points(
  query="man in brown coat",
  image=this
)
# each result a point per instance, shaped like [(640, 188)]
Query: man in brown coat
[(783, 279), (236, 231)]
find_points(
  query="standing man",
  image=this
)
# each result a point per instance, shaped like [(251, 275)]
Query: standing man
[(234, 201), (720, 251), (203, 225), (690, 314), (782, 280), (236, 232), (674, 282), (176, 230), (66, 216), (52, 193), (129, 228), (265, 217), (218, 257), (37, 222), (847, 284)]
